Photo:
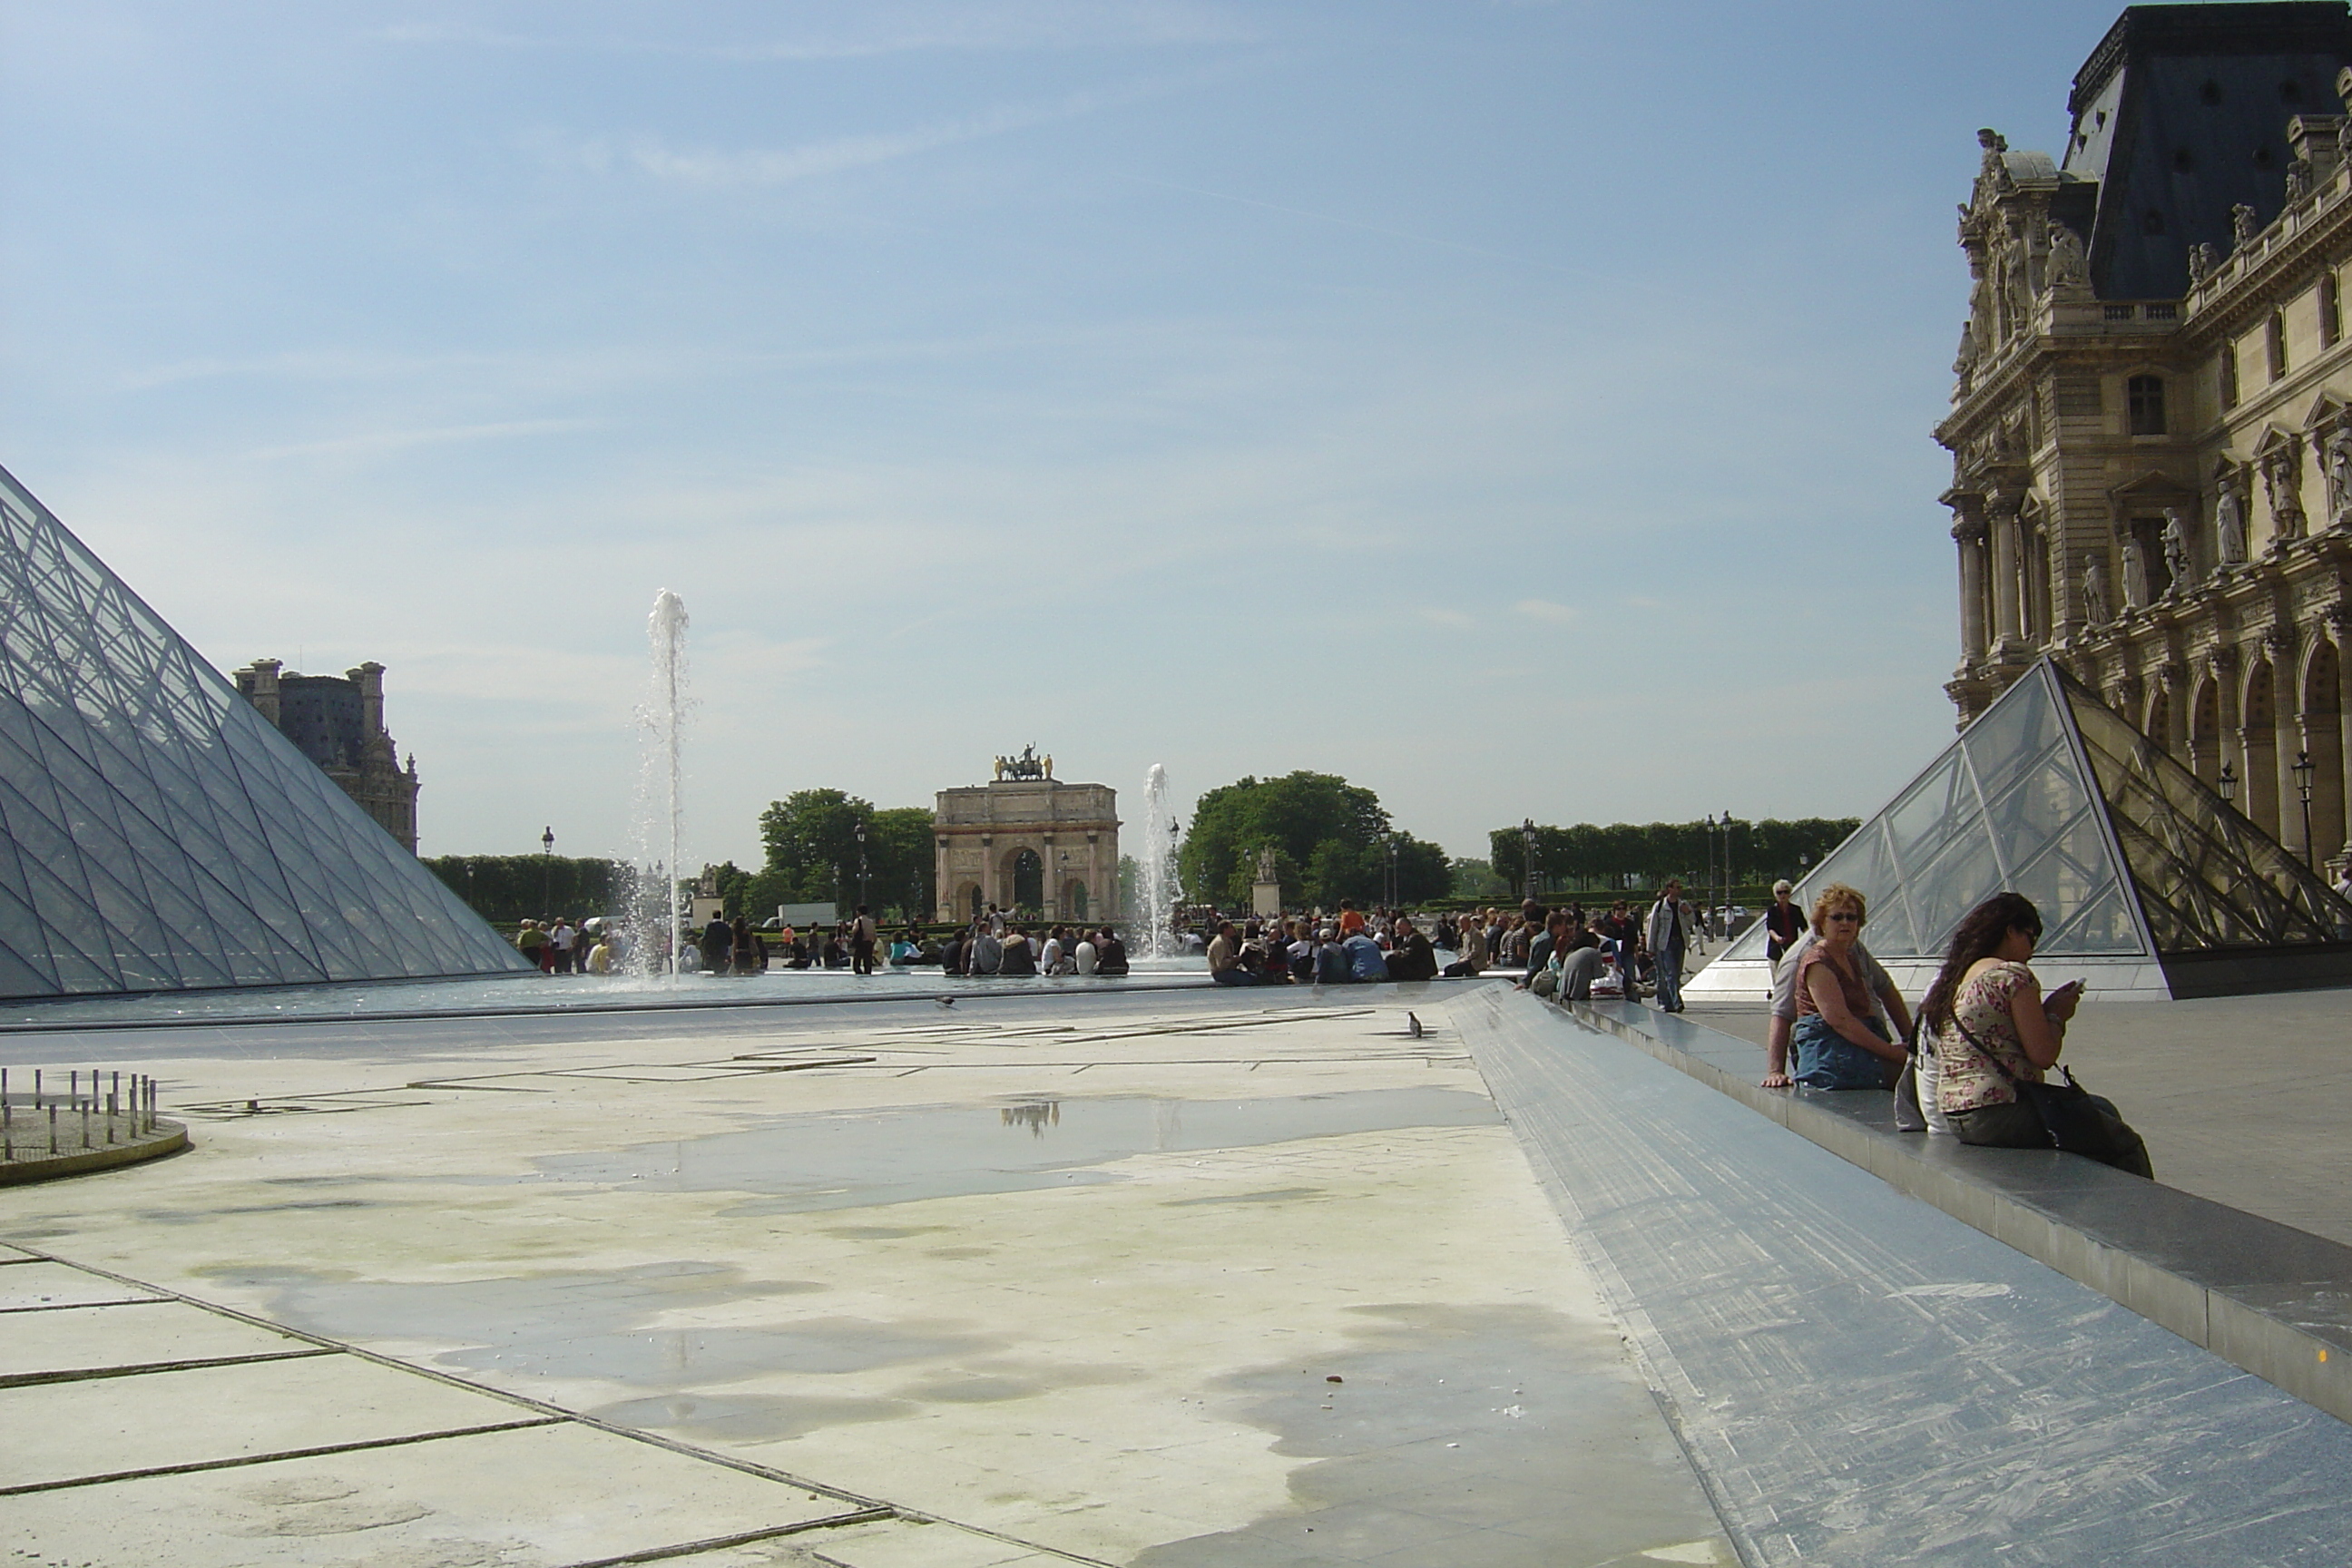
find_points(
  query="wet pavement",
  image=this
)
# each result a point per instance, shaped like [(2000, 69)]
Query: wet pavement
[(1164, 1278)]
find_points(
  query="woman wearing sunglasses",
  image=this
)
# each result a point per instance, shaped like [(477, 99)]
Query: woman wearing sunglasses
[(1992, 1029), (1841, 1042)]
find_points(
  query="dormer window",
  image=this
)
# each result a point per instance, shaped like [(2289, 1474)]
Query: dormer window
[(2144, 395)]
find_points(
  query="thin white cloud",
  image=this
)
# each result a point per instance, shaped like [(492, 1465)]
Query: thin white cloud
[(1545, 610), (716, 169), (397, 440), (956, 28)]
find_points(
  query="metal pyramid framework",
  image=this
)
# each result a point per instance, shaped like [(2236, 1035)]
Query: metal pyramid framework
[(160, 834), (2147, 880)]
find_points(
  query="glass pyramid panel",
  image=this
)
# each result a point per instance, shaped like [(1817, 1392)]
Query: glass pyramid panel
[(160, 834), (2207, 877), (2124, 851)]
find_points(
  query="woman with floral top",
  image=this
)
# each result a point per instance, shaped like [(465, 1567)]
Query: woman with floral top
[(1992, 1029)]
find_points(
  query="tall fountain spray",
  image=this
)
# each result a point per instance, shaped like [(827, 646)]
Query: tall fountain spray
[(1156, 862), (664, 718)]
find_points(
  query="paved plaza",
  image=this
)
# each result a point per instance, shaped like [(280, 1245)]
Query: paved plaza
[(1164, 1278)]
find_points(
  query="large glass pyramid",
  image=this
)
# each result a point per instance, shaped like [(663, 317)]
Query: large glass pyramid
[(160, 834), (2126, 853)]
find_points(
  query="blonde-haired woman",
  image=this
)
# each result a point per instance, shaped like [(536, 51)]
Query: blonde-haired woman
[(1841, 1042)]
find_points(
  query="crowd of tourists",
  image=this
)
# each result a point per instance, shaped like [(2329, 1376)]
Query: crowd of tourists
[(565, 946)]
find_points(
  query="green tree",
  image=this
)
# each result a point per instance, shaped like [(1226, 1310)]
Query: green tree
[(511, 887), (1330, 841), (814, 854)]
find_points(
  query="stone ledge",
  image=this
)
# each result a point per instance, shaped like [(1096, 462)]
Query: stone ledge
[(168, 1138), (2267, 1297)]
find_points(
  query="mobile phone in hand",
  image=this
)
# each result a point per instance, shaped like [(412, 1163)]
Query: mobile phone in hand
[(2072, 988)]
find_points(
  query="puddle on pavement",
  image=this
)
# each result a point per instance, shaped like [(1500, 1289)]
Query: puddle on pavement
[(1510, 1436), (806, 1164)]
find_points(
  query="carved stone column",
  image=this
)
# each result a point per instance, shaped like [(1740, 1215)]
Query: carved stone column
[(2286, 704), (2007, 630), (1969, 534)]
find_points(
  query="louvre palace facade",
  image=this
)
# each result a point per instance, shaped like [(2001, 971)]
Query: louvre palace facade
[(2151, 428)]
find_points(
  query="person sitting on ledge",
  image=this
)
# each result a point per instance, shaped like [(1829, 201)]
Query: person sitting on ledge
[(1019, 957), (1364, 958), (1841, 1043), (983, 953), (1110, 953), (1415, 958), (1576, 954), (1783, 1019), (1994, 1031), (1226, 958)]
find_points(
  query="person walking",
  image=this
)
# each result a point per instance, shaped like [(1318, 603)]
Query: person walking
[(1663, 934), (1784, 922)]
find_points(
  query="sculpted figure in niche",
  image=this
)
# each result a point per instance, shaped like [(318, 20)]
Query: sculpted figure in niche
[(2135, 574), (2067, 267), (2339, 467), (2176, 553), (2094, 589), (2279, 478), (2229, 522), (1964, 362)]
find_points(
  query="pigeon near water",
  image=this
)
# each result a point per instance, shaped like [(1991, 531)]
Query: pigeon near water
[(1412, 1026), (946, 1001)]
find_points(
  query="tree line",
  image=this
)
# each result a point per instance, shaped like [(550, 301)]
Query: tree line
[(1331, 840), (510, 888), (1641, 854)]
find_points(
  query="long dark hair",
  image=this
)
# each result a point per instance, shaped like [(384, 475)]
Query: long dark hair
[(1980, 936)]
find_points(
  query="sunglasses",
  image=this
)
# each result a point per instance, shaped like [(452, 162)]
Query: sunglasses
[(1844, 915)]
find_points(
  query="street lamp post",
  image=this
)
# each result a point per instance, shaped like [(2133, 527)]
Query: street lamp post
[(1528, 841), (546, 871), (1390, 885), (1723, 905), (861, 860), (2229, 783), (2303, 770), (1709, 823)]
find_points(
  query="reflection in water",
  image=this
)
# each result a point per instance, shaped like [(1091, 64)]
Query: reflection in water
[(1036, 1116)]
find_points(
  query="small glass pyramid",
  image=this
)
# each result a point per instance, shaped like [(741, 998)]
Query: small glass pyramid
[(2125, 851), (159, 835)]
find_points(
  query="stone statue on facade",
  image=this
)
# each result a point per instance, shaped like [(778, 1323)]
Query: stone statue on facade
[(2177, 564), (2135, 574), (2298, 179), (2094, 589), (2204, 259), (2230, 522), (2242, 227), (1964, 364), (2281, 480), (2339, 468), (2067, 267)]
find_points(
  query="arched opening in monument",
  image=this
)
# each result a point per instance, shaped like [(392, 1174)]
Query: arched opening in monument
[(2205, 731), (1074, 899), (2323, 736), (970, 901), (1028, 881), (2258, 791)]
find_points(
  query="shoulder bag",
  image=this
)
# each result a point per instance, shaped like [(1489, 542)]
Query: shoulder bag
[(2077, 1123)]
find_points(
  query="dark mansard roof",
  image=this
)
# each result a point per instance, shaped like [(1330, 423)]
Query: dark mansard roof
[(2180, 114)]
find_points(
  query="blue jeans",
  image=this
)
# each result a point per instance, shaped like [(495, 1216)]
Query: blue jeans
[(1234, 977), (1827, 1059), (1668, 967)]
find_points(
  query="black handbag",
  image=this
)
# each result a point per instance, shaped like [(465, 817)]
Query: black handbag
[(2078, 1122)]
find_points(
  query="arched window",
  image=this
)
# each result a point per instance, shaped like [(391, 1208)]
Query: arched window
[(2331, 311), (2145, 394), (2274, 344)]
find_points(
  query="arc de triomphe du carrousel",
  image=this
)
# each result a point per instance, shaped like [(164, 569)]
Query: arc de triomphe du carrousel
[(1027, 841)]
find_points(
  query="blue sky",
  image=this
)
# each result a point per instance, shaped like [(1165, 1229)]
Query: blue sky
[(1520, 409)]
